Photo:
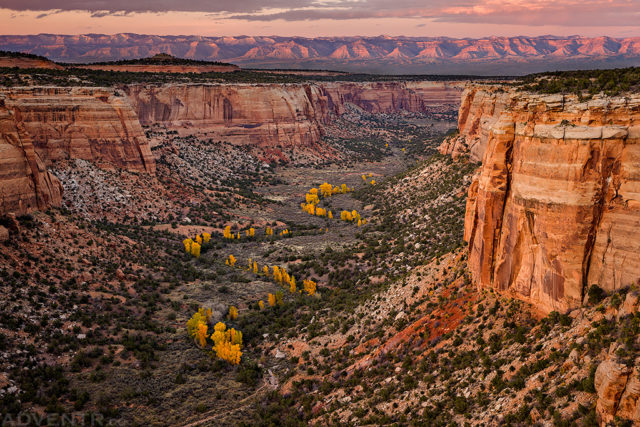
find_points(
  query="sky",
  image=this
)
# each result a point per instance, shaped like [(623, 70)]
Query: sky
[(311, 18)]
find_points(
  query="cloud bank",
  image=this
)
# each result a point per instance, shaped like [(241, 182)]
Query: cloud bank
[(520, 12)]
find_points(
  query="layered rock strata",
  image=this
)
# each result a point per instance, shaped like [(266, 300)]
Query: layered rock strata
[(25, 184), (555, 206), (277, 116), (94, 124)]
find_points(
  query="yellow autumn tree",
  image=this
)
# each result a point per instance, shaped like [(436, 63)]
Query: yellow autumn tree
[(279, 298), (272, 300), (265, 270), (252, 232), (344, 189), (228, 351), (231, 261), (277, 275), (201, 334), (255, 267), (309, 286), (187, 245), (330, 215), (312, 198), (206, 237), (227, 343), (373, 182), (261, 304), (227, 232), (195, 249), (292, 285), (233, 313), (326, 189)]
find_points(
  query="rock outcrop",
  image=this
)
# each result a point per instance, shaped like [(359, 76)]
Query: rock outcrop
[(555, 206), (617, 382), (25, 184), (274, 117), (480, 109), (94, 124)]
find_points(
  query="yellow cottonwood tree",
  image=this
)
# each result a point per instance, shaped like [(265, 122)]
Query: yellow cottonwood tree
[(195, 249), (279, 298), (309, 286), (330, 215), (231, 261), (187, 245), (201, 334), (261, 304), (255, 267), (272, 300), (227, 232), (326, 189), (206, 237), (233, 313)]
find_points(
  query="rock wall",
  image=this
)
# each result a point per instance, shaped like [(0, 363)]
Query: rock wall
[(555, 206), (480, 109), (94, 124), (390, 97), (25, 184), (275, 116), (272, 117)]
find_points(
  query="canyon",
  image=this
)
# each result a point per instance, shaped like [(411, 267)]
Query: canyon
[(104, 125), (555, 206), (382, 54)]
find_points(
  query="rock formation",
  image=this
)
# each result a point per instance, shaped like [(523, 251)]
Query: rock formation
[(555, 206), (276, 117), (480, 109), (25, 184), (93, 124), (617, 383)]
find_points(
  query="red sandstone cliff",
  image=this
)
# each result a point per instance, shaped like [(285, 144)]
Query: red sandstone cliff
[(82, 123), (25, 184), (274, 116), (555, 206), (480, 108)]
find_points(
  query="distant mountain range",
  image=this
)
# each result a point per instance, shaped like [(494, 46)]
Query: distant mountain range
[(382, 54)]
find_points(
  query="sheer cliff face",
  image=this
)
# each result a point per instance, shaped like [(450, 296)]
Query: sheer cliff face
[(389, 97), (277, 118), (271, 117), (25, 184), (555, 206), (93, 124)]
